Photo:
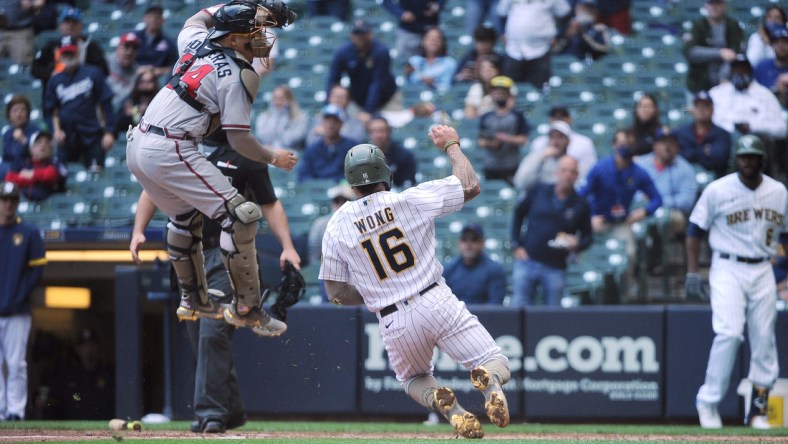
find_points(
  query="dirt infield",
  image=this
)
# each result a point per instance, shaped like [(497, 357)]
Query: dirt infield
[(21, 435)]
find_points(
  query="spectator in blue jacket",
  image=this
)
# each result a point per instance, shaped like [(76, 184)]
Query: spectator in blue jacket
[(401, 161), (70, 108), (156, 49), (325, 158), (559, 224), (16, 137), (20, 271), (610, 188), (472, 275), (773, 72), (702, 142), (432, 67), (367, 63), (415, 18)]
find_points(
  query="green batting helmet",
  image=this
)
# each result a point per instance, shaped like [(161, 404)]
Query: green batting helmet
[(366, 164), (749, 144)]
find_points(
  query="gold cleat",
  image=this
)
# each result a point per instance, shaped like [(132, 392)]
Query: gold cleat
[(465, 423), (494, 399)]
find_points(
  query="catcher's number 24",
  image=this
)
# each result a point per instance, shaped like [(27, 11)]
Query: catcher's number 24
[(397, 253)]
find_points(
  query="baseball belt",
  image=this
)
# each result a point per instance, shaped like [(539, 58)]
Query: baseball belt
[(146, 127), (746, 260), (389, 309)]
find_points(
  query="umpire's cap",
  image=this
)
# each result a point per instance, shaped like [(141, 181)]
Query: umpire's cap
[(366, 164), (9, 190), (749, 144)]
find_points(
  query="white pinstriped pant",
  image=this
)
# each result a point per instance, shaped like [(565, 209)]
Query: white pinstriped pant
[(740, 292), (436, 318)]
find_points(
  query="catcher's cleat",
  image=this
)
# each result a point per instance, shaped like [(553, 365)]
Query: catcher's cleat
[(494, 399), (465, 423), (189, 310), (261, 323)]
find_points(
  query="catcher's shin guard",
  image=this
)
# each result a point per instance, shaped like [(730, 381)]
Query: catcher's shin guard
[(184, 247), (465, 423), (238, 249)]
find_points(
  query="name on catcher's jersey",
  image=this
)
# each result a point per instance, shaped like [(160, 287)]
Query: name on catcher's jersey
[(214, 80), (742, 221), (384, 244)]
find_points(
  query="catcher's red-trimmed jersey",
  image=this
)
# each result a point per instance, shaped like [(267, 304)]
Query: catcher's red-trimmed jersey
[(215, 81), (384, 244)]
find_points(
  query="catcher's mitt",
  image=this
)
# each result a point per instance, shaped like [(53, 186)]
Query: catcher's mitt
[(289, 291)]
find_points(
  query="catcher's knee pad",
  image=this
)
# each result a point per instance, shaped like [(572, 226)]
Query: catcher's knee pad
[(238, 249), (421, 389), (184, 247), (499, 368)]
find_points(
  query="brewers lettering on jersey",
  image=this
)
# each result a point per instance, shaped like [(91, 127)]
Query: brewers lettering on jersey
[(744, 214), (379, 250)]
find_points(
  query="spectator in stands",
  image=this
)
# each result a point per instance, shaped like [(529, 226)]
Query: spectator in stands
[(478, 100), (772, 72), (559, 224), (645, 123), (711, 45), (759, 46), (123, 68), (615, 14), (353, 127), (400, 160), (502, 132), (581, 147), (16, 29), (484, 39), (134, 105), (16, 136), (156, 49), (610, 188), (744, 106), (398, 119), (674, 178), (339, 194), (42, 175), (367, 63), (476, 11), (702, 142), (540, 165), (433, 67), (530, 28), (415, 18), (325, 159), (337, 8), (47, 62), (584, 37), (283, 125), (71, 104), (472, 275)]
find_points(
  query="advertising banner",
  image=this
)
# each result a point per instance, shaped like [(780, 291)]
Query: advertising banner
[(595, 362)]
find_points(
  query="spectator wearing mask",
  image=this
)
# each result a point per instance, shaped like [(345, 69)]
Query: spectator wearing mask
[(702, 142), (773, 72), (472, 275), (136, 103), (759, 45), (502, 132), (584, 37)]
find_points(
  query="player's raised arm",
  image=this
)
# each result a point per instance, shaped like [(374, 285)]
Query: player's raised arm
[(446, 139)]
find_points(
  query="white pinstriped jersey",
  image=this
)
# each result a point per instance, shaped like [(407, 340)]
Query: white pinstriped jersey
[(384, 244), (741, 221), (214, 80)]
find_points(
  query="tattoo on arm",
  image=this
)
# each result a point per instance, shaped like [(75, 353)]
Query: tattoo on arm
[(462, 168)]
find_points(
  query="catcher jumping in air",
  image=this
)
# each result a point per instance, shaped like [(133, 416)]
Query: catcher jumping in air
[(744, 214), (213, 85), (379, 250)]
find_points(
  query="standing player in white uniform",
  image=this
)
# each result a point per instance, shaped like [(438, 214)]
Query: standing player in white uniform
[(380, 251), (744, 213), (213, 85)]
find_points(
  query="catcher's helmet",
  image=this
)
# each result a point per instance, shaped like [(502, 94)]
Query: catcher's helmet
[(749, 144), (237, 17), (366, 164)]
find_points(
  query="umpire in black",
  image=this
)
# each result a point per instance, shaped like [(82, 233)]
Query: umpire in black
[(217, 397)]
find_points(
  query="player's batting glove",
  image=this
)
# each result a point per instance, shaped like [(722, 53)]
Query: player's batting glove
[(693, 288)]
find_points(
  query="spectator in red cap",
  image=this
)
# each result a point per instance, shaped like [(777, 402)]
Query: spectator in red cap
[(123, 68)]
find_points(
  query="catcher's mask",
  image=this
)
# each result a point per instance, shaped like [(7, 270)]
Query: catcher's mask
[(247, 19), (366, 164)]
